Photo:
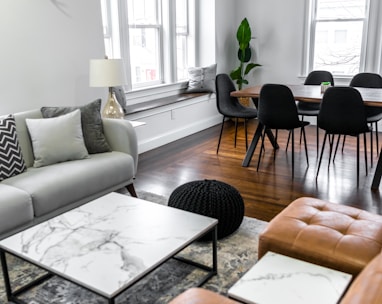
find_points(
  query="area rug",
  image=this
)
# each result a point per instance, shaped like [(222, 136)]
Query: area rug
[(236, 254)]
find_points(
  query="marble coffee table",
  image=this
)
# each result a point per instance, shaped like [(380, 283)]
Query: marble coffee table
[(108, 244), (276, 278)]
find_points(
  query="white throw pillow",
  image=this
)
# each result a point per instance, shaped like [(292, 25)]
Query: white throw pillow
[(201, 79), (57, 139)]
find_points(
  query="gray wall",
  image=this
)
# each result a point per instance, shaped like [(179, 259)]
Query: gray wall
[(46, 46), (45, 50), (278, 33)]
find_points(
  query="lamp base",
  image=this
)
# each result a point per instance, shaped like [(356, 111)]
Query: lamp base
[(112, 108)]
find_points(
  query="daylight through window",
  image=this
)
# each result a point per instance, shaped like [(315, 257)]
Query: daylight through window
[(152, 36), (338, 35)]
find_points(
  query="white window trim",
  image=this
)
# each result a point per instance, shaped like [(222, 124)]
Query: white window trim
[(371, 52), (169, 86)]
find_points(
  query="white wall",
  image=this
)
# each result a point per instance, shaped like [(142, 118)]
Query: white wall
[(226, 26), (278, 28), (45, 50)]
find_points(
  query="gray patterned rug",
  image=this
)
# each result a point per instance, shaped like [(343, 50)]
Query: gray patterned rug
[(236, 254)]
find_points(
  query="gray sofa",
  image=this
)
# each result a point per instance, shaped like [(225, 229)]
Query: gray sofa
[(40, 193)]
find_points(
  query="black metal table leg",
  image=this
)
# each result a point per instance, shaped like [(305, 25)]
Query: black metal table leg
[(255, 140), (215, 250), (7, 282), (378, 173)]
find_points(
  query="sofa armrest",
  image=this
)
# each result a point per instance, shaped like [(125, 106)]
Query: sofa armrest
[(121, 137), (366, 288)]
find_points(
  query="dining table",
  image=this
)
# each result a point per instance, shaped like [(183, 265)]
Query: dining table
[(314, 94)]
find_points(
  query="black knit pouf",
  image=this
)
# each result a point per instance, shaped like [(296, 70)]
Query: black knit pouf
[(213, 199)]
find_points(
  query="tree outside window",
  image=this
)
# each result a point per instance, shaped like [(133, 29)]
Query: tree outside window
[(338, 31)]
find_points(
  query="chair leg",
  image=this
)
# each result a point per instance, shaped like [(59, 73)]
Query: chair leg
[(292, 153), (322, 152), (337, 144), (343, 144), (287, 145), (302, 119), (331, 143), (274, 149), (365, 151), (306, 147), (317, 136), (220, 136), (376, 137), (357, 161), (371, 147), (261, 149), (236, 119)]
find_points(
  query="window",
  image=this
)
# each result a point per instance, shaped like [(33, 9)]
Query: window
[(338, 36), (153, 37)]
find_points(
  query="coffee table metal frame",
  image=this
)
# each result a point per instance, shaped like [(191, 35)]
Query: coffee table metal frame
[(12, 295)]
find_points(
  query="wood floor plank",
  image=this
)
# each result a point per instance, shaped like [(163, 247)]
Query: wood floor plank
[(267, 191)]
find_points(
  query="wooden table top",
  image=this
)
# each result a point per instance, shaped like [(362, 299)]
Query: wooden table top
[(312, 93)]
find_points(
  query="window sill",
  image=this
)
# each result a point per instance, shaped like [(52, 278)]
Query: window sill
[(160, 102)]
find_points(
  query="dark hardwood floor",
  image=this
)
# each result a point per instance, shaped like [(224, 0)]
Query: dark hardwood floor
[(269, 190)]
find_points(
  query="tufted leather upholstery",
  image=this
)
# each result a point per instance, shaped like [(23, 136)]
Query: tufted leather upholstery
[(331, 235), (199, 296)]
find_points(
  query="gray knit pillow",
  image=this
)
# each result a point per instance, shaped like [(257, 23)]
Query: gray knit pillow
[(91, 122)]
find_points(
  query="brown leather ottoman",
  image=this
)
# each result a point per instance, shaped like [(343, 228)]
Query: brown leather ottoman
[(327, 234), (199, 296)]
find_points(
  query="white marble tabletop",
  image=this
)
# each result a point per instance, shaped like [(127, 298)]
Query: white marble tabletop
[(109, 243), (280, 279)]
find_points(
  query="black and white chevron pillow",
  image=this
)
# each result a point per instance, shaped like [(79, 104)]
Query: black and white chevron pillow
[(11, 158)]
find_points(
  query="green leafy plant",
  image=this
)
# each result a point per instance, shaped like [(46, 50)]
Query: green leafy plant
[(244, 54)]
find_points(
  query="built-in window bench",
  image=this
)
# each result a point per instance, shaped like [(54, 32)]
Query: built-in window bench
[(160, 102), (173, 117)]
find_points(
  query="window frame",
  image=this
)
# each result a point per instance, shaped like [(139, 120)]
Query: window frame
[(310, 35), (167, 39)]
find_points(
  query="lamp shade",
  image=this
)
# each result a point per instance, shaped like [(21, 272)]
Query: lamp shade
[(106, 73)]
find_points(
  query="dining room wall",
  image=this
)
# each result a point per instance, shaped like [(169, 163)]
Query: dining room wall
[(278, 31)]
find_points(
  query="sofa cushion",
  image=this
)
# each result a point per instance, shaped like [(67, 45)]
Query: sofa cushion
[(57, 139), (11, 158), (92, 127), (16, 208), (62, 184)]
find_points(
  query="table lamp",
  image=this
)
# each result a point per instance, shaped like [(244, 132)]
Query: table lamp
[(108, 73)]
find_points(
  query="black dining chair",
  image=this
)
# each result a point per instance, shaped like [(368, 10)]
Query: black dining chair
[(342, 112), (277, 110), (230, 107), (309, 108), (373, 114)]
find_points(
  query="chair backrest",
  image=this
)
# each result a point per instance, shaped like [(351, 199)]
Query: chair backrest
[(277, 107), (366, 80), (226, 104), (316, 77), (342, 111)]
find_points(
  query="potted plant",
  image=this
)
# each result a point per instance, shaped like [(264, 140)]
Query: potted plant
[(244, 54)]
